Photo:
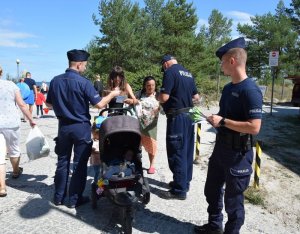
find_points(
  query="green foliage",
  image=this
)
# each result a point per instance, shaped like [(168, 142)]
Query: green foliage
[(268, 33), (210, 86), (294, 14), (137, 37), (136, 79), (121, 25)]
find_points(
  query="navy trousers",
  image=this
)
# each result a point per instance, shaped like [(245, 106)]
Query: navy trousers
[(75, 136), (232, 168), (180, 150)]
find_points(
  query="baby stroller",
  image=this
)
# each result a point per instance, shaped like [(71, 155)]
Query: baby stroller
[(121, 174)]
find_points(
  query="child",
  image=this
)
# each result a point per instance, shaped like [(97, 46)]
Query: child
[(95, 156), (121, 168), (40, 99)]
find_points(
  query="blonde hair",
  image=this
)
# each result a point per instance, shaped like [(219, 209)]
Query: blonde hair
[(239, 54)]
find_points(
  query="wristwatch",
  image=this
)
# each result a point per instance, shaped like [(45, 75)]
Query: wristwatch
[(222, 122)]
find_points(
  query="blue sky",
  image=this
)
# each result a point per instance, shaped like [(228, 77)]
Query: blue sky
[(39, 32)]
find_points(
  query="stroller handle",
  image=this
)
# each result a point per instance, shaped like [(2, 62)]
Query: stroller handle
[(123, 109)]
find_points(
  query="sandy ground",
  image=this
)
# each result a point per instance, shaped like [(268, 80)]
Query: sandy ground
[(280, 167)]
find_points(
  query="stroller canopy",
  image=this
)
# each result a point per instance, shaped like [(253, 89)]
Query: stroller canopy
[(118, 133)]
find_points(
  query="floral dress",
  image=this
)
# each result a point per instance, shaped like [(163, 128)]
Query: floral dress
[(148, 112)]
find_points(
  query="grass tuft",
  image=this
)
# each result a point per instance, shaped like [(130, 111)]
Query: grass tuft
[(255, 196)]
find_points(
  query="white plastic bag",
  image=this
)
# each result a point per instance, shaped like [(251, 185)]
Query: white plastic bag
[(36, 144), (147, 110)]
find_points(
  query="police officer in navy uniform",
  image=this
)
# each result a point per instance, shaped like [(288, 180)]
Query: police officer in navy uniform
[(177, 94), (69, 95), (238, 119)]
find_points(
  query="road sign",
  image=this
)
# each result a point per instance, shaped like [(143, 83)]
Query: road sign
[(273, 58)]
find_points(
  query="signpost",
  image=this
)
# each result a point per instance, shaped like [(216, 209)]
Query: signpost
[(273, 62), (273, 58)]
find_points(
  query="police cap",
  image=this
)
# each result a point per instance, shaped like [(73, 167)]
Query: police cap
[(166, 58), (78, 55), (236, 43)]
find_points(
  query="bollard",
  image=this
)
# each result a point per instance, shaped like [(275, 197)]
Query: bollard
[(197, 148), (257, 165)]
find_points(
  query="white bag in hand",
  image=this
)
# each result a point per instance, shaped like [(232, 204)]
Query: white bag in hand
[(36, 144), (147, 110)]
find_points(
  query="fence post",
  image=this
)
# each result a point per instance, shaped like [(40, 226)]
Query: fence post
[(257, 165), (197, 148)]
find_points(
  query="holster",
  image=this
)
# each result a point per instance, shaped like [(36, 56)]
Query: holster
[(236, 141)]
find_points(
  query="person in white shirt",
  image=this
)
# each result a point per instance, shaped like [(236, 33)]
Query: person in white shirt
[(10, 122)]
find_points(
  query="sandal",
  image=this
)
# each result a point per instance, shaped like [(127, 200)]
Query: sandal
[(151, 170), (3, 193), (17, 175)]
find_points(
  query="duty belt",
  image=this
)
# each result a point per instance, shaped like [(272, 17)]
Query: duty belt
[(235, 141), (173, 112)]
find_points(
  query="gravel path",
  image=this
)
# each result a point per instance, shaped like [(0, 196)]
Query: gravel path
[(27, 208)]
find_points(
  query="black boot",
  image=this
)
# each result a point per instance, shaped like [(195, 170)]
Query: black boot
[(206, 229)]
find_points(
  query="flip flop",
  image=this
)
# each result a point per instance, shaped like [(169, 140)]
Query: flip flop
[(17, 175), (151, 170)]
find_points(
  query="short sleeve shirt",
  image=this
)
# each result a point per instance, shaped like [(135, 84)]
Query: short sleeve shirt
[(241, 101), (30, 82), (70, 95), (9, 114), (24, 89), (179, 83)]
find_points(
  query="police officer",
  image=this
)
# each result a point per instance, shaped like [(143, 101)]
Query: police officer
[(69, 95), (238, 119), (176, 95)]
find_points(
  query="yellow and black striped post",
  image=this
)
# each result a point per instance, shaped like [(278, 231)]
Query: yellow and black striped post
[(197, 148), (257, 165)]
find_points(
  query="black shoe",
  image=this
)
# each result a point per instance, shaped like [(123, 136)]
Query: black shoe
[(57, 203), (172, 185), (83, 200), (206, 229), (169, 195)]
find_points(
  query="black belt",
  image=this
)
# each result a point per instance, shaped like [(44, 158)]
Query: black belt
[(173, 112), (235, 141)]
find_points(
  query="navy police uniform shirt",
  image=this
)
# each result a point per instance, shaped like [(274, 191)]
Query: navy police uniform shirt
[(179, 83), (241, 102), (70, 95)]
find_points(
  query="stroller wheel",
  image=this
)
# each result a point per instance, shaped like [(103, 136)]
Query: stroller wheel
[(94, 196), (127, 219)]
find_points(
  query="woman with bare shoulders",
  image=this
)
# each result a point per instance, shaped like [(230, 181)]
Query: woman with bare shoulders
[(117, 81)]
